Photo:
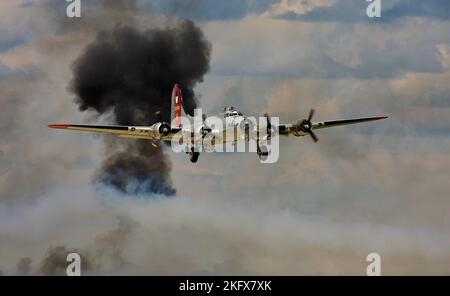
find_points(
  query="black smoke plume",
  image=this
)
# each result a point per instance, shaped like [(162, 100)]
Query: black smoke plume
[(131, 74)]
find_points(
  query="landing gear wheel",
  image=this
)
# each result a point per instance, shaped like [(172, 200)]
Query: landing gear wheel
[(262, 152), (193, 155)]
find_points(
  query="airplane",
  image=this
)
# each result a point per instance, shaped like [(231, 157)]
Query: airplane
[(232, 118)]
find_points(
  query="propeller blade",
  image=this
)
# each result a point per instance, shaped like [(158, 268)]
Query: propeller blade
[(269, 124), (154, 145), (158, 115), (313, 136), (311, 114)]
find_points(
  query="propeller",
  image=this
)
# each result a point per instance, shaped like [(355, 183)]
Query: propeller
[(262, 150), (158, 115), (164, 128), (268, 125), (205, 129), (247, 126), (306, 126)]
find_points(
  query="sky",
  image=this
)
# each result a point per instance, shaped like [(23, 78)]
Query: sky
[(320, 210)]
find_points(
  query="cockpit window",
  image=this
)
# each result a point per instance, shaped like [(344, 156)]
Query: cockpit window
[(233, 113)]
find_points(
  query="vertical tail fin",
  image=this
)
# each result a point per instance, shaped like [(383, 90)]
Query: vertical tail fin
[(176, 106)]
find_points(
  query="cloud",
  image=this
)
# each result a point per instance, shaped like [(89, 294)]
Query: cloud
[(296, 10), (355, 10), (299, 7), (444, 52), (189, 236), (14, 25), (204, 10), (438, 9), (6, 71), (328, 50)]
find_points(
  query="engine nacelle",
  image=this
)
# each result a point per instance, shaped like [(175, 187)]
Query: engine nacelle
[(247, 125), (162, 128), (202, 131)]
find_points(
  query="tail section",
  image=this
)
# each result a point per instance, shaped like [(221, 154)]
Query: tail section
[(176, 106)]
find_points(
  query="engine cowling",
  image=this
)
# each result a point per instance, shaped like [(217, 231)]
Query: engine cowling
[(202, 131), (247, 125), (162, 128), (205, 130)]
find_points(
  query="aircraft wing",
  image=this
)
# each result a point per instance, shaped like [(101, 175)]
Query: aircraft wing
[(137, 132), (307, 127), (333, 123)]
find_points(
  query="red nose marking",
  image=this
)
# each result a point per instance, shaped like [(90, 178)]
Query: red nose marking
[(59, 126)]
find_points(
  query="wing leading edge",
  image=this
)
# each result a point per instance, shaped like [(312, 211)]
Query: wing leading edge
[(138, 132), (333, 123), (307, 127)]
